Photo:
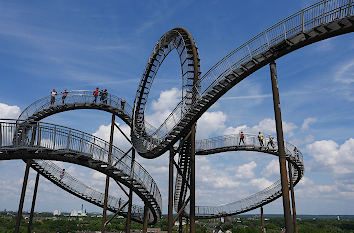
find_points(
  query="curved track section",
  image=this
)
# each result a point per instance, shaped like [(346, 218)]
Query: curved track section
[(148, 141), (78, 99), (72, 185), (231, 143), (325, 19), (53, 142)]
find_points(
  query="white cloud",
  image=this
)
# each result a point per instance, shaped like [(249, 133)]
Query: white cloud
[(266, 126), (10, 112), (104, 132), (307, 122), (345, 73), (260, 183), (209, 123), (163, 107), (245, 171), (167, 100), (272, 169), (329, 156)]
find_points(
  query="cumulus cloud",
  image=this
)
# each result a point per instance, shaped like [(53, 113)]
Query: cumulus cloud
[(120, 141), (307, 122), (272, 169), (7, 111), (246, 171), (336, 160), (209, 123), (266, 126), (163, 106)]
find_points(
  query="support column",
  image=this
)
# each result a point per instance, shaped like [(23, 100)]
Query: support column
[(192, 181), (170, 192), (129, 216), (33, 203), (22, 198), (145, 221), (262, 220), (281, 149), (292, 192), (106, 190)]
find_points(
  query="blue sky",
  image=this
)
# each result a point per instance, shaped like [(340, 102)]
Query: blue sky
[(79, 45)]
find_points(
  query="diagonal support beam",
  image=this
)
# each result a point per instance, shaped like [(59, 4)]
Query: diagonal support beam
[(123, 189), (120, 130), (181, 210), (116, 213)]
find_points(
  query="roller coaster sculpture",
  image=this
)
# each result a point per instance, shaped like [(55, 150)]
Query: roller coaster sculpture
[(37, 142)]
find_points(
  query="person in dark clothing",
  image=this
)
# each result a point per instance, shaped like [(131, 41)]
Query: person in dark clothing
[(242, 138), (270, 141), (104, 95), (65, 94), (122, 104)]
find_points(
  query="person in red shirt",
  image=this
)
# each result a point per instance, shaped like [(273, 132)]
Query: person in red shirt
[(95, 95), (242, 138)]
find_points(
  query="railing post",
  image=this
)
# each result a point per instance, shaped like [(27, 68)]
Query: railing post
[(281, 149), (68, 140), (324, 10), (33, 203), (170, 191), (0, 134), (303, 20), (107, 177), (349, 5)]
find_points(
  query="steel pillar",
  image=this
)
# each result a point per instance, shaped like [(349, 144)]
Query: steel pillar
[(145, 221), (281, 149), (129, 217), (33, 204), (262, 220), (106, 190), (22, 198), (292, 192), (192, 181), (170, 192)]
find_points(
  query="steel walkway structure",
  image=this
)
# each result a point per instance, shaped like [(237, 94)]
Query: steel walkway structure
[(44, 141), (322, 20), (232, 143)]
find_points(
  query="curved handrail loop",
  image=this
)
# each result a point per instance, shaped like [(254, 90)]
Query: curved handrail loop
[(22, 140), (322, 20), (251, 143), (147, 140), (52, 172), (77, 99)]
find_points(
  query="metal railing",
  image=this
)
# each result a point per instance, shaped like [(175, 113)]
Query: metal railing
[(317, 14), (18, 134), (251, 142), (81, 189)]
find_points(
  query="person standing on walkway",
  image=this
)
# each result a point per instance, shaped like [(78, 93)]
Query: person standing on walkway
[(95, 95), (270, 141), (260, 139), (242, 138), (104, 95), (52, 96), (122, 104), (65, 94), (62, 173)]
